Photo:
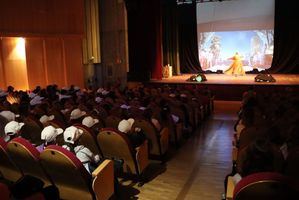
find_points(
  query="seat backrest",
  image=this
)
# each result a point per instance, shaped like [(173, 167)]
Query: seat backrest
[(112, 121), (88, 139), (8, 169), (26, 157), (265, 185), (67, 173), (32, 130), (115, 144), (151, 134)]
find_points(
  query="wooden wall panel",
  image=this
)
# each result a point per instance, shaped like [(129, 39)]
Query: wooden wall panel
[(73, 61), (13, 66), (54, 61), (36, 68), (2, 77), (41, 17)]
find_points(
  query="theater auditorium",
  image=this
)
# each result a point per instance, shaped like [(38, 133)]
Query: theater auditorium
[(149, 100)]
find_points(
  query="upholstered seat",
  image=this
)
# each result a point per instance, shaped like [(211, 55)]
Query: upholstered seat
[(32, 130), (158, 141), (265, 185), (8, 169), (112, 121), (88, 139), (72, 179), (26, 157), (115, 144)]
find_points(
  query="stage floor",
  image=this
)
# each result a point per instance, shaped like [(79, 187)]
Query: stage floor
[(223, 79)]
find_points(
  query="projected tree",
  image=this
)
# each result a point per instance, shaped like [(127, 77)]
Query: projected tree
[(215, 49)]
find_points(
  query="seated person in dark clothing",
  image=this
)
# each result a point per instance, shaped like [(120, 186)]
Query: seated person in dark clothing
[(136, 136)]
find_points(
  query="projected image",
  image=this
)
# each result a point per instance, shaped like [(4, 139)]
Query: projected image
[(217, 48)]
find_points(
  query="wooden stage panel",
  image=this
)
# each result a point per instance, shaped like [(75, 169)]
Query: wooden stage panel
[(226, 87)]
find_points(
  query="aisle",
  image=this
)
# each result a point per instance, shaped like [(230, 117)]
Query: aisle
[(197, 170)]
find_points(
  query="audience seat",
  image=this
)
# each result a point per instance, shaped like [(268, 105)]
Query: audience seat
[(116, 145), (88, 139), (112, 121), (32, 130), (73, 180), (27, 158), (265, 185), (158, 141), (8, 169)]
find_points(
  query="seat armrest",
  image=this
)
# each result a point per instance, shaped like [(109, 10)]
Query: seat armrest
[(142, 156), (230, 188), (103, 180)]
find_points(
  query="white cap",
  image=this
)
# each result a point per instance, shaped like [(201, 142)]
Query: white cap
[(13, 127), (89, 121), (46, 118), (125, 125), (71, 134), (49, 133), (7, 114), (98, 99), (172, 95), (77, 113), (36, 100)]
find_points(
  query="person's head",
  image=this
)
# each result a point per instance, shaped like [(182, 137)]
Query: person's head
[(10, 116), (49, 134), (89, 121), (77, 113), (125, 125), (13, 128), (72, 134), (45, 118)]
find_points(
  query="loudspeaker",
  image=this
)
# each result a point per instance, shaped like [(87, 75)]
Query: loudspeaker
[(264, 78), (197, 78)]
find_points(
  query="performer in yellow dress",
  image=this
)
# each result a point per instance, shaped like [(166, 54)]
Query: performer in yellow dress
[(236, 68)]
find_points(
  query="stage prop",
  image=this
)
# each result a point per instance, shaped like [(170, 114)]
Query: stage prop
[(264, 78), (197, 78)]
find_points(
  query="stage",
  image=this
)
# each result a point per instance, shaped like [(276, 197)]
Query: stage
[(227, 87)]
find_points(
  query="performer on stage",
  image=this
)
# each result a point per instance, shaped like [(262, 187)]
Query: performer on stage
[(236, 68)]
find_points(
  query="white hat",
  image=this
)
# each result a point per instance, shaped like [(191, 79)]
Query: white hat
[(89, 121), (98, 99), (125, 125), (7, 114), (46, 118), (77, 113), (183, 95), (36, 100), (172, 95), (62, 96), (49, 133), (71, 134), (105, 92), (13, 127), (100, 90), (131, 121)]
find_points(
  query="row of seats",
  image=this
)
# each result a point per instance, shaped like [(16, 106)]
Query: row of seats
[(56, 166)]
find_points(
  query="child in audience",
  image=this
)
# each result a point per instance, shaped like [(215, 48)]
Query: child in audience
[(12, 130), (136, 136), (48, 135), (71, 137)]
